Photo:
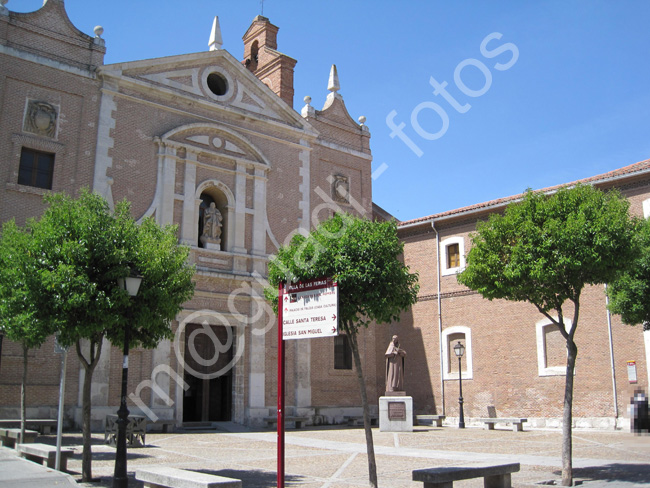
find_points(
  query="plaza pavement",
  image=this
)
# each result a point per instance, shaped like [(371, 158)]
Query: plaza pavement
[(335, 456)]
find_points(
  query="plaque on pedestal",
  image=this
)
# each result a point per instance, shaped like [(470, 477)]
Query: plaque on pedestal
[(396, 413)]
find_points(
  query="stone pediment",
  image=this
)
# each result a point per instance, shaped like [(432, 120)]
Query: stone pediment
[(214, 77), (215, 139)]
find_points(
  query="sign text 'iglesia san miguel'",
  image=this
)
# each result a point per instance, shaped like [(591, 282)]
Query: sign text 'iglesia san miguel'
[(310, 309)]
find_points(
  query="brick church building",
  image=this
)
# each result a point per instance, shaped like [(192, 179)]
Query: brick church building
[(180, 135)]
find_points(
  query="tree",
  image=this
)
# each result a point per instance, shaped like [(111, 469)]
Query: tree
[(629, 294), (18, 309), (82, 250), (374, 286), (545, 250)]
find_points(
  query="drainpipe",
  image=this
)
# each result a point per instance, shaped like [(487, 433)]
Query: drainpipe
[(611, 353), (442, 379)]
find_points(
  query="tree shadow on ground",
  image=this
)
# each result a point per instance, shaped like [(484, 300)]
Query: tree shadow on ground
[(252, 478), (635, 473)]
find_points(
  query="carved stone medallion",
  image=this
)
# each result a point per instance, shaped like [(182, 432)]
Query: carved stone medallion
[(40, 119), (340, 189)]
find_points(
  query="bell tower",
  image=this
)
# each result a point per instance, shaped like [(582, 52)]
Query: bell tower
[(262, 58)]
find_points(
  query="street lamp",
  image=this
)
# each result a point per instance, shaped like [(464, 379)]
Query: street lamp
[(459, 349), (131, 284)]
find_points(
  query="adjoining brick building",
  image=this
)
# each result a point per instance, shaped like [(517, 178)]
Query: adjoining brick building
[(176, 134), (515, 359)]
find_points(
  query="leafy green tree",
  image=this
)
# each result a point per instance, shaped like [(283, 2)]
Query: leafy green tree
[(629, 294), (82, 250), (545, 250), (18, 309), (374, 286)]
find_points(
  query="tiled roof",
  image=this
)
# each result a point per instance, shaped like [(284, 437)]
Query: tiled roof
[(631, 170)]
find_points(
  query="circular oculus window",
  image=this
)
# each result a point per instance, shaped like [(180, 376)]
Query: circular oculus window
[(217, 84)]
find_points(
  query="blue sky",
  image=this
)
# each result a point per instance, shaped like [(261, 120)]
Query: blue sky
[(574, 104)]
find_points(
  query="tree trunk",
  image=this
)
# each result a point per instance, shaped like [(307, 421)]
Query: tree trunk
[(23, 396), (370, 447), (89, 368), (567, 419)]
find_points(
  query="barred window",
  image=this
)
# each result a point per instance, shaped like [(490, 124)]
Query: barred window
[(36, 168), (342, 352)]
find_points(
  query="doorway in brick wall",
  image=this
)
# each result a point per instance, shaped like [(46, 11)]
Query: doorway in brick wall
[(208, 355)]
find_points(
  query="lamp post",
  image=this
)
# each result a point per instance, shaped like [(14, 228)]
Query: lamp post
[(459, 349), (131, 284)]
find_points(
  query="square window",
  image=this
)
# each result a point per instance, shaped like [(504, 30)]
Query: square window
[(36, 168), (342, 352), (453, 256)]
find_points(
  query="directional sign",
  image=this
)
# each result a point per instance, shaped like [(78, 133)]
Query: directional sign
[(310, 309)]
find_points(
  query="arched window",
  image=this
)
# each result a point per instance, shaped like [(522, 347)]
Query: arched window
[(646, 209), (452, 255), (551, 348), (451, 336)]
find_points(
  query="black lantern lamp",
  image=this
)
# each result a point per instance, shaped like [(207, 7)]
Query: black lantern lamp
[(459, 349), (131, 284)]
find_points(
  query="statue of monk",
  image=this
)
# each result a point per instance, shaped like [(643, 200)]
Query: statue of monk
[(395, 366), (212, 223)]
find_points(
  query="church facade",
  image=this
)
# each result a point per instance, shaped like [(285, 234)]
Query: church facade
[(211, 143)]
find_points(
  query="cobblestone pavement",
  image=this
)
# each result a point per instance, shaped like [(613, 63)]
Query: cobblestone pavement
[(335, 456)]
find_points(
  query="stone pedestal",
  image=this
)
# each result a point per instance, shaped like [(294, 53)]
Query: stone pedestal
[(396, 414)]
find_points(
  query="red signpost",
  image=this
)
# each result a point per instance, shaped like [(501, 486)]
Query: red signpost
[(308, 309), (280, 468)]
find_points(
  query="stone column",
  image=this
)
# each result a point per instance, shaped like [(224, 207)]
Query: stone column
[(190, 229)]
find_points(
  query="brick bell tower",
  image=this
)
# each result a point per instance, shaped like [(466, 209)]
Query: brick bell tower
[(262, 59)]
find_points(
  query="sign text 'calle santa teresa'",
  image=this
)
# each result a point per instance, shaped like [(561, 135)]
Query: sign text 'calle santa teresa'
[(310, 309)]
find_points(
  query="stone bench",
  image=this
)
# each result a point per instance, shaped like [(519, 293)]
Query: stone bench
[(45, 454), (517, 423), (44, 426), (164, 424), (298, 421), (166, 477), (8, 437), (429, 420), (497, 476), (357, 421)]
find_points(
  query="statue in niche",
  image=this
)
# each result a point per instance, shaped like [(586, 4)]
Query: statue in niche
[(211, 237), (395, 368)]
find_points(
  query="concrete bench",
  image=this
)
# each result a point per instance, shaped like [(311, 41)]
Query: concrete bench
[(45, 454), (8, 437), (298, 421), (429, 420), (166, 477), (517, 423), (493, 476), (44, 426)]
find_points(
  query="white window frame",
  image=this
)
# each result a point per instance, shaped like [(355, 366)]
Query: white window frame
[(543, 369), (646, 209), (468, 372), (444, 270)]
